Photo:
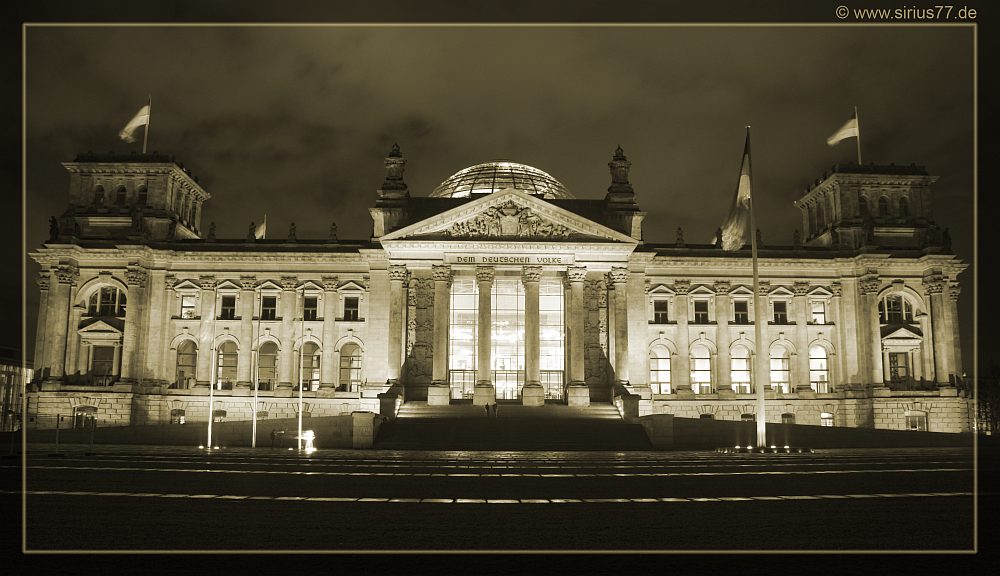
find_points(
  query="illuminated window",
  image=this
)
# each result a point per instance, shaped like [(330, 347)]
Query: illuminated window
[(659, 370), (84, 417), (309, 307), (310, 366), (219, 415), (108, 301), (894, 309), (740, 370), (552, 327), (352, 308), (350, 368), (818, 310), (780, 312), (507, 336), (226, 366), (916, 420), (187, 362), (819, 374), (825, 419), (701, 311), (701, 370), (463, 334), (268, 307), (188, 305), (780, 378), (267, 366), (228, 309), (741, 311), (660, 311), (177, 416)]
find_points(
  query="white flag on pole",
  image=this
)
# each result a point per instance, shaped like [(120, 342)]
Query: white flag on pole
[(734, 229), (261, 230), (848, 130), (141, 118)]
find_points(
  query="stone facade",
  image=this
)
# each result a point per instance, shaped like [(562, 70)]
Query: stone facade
[(139, 321)]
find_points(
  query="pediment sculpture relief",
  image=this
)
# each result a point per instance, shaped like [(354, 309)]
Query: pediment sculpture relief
[(508, 220)]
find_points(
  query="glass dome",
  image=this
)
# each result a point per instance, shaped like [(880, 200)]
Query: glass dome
[(497, 175)]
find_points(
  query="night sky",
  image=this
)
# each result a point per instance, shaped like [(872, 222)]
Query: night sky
[(294, 122)]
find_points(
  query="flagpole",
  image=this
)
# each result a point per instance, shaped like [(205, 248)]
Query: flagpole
[(757, 327), (149, 118), (857, 122)]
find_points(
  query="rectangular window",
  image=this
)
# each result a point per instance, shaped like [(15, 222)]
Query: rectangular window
[(102, 365), (660, 311), (351, 308), (228, 310), (826, 419), (781, 312), (462, 333), (818, 310), (188, 306), (780, 380), (916, 422), (268, 307), (701, 311), (309, 307), (740, 374), (659, 374), (741, 309), (899, 369)]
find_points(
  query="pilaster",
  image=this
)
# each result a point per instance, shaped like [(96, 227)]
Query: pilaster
[(800, 373), (934, 288), (244, 363), (206, 331), (619, 279), (135, 276), (328, 366), (397, 275), (722, 340), (286, 360), (485, 392)]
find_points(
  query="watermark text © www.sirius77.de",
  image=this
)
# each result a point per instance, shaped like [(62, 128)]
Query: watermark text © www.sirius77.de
[(939, 12)]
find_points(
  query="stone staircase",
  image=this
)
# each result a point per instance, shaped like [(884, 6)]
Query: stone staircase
[(462, 426)]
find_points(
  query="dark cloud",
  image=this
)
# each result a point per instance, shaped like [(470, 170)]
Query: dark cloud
[(295, 121)]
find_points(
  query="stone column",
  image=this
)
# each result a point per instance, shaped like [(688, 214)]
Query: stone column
[(169, 310), (136, 278), (954, 290), (83, 357), (485, 392), (206, 332), (869, 285), (438, 393), (286, 360), (680, 371), (73, 354), (245, 360), (44, 280), (800, 373), (837, 373), (761, 357), (533, 394), (397, 275), (117, 362), (153, 346), (619, 278), (328, 368), (934, 287), (58, 318), (575, 276), (722, 308)]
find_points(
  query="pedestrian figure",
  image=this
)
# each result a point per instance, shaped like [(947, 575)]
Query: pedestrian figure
[(487, 406)]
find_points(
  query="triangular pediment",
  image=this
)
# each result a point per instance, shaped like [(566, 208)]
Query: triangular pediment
[(900, 332), (701, 291), (661, 289), (268, 285), (186, 285), (351, 286), (781, 291), (227, 285), (509, 215), (820, 291), (741, 291), (101, 326)]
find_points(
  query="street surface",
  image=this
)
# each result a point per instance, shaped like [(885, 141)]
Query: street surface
[(169, 498)]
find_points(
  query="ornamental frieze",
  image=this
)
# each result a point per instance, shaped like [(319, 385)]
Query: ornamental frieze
[(508, 220)]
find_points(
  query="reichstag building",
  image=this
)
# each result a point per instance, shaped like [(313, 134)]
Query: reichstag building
[(498, 285)]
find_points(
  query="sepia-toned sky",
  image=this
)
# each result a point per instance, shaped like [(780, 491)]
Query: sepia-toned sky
[(295, 121)]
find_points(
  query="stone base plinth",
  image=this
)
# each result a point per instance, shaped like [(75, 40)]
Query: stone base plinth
[(283, 393), (533, 395), (241, 385), (484, 393), (242, 392), (438, 395), (329, 392), (578, 395)]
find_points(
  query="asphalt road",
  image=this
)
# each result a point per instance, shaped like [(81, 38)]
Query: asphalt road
[(157, 498)]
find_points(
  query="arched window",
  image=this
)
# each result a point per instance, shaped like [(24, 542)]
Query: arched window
[(895, 309), (187, 362), (780, 375), (99, 195), (120, 196), (904, 207), (226, 366), (740, 370), (659, 370), (350, 367), (141, 196), (862, 206), (107, 301), (883, 207), (819, 373), (267, 366), (310, 366), (701, 370)]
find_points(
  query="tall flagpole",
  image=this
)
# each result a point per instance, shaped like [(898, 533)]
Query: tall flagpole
[(149, 118), (857, 121), (760, 368), (302, 325)]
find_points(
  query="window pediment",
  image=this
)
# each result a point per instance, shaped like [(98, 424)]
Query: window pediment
[(186, 286)]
